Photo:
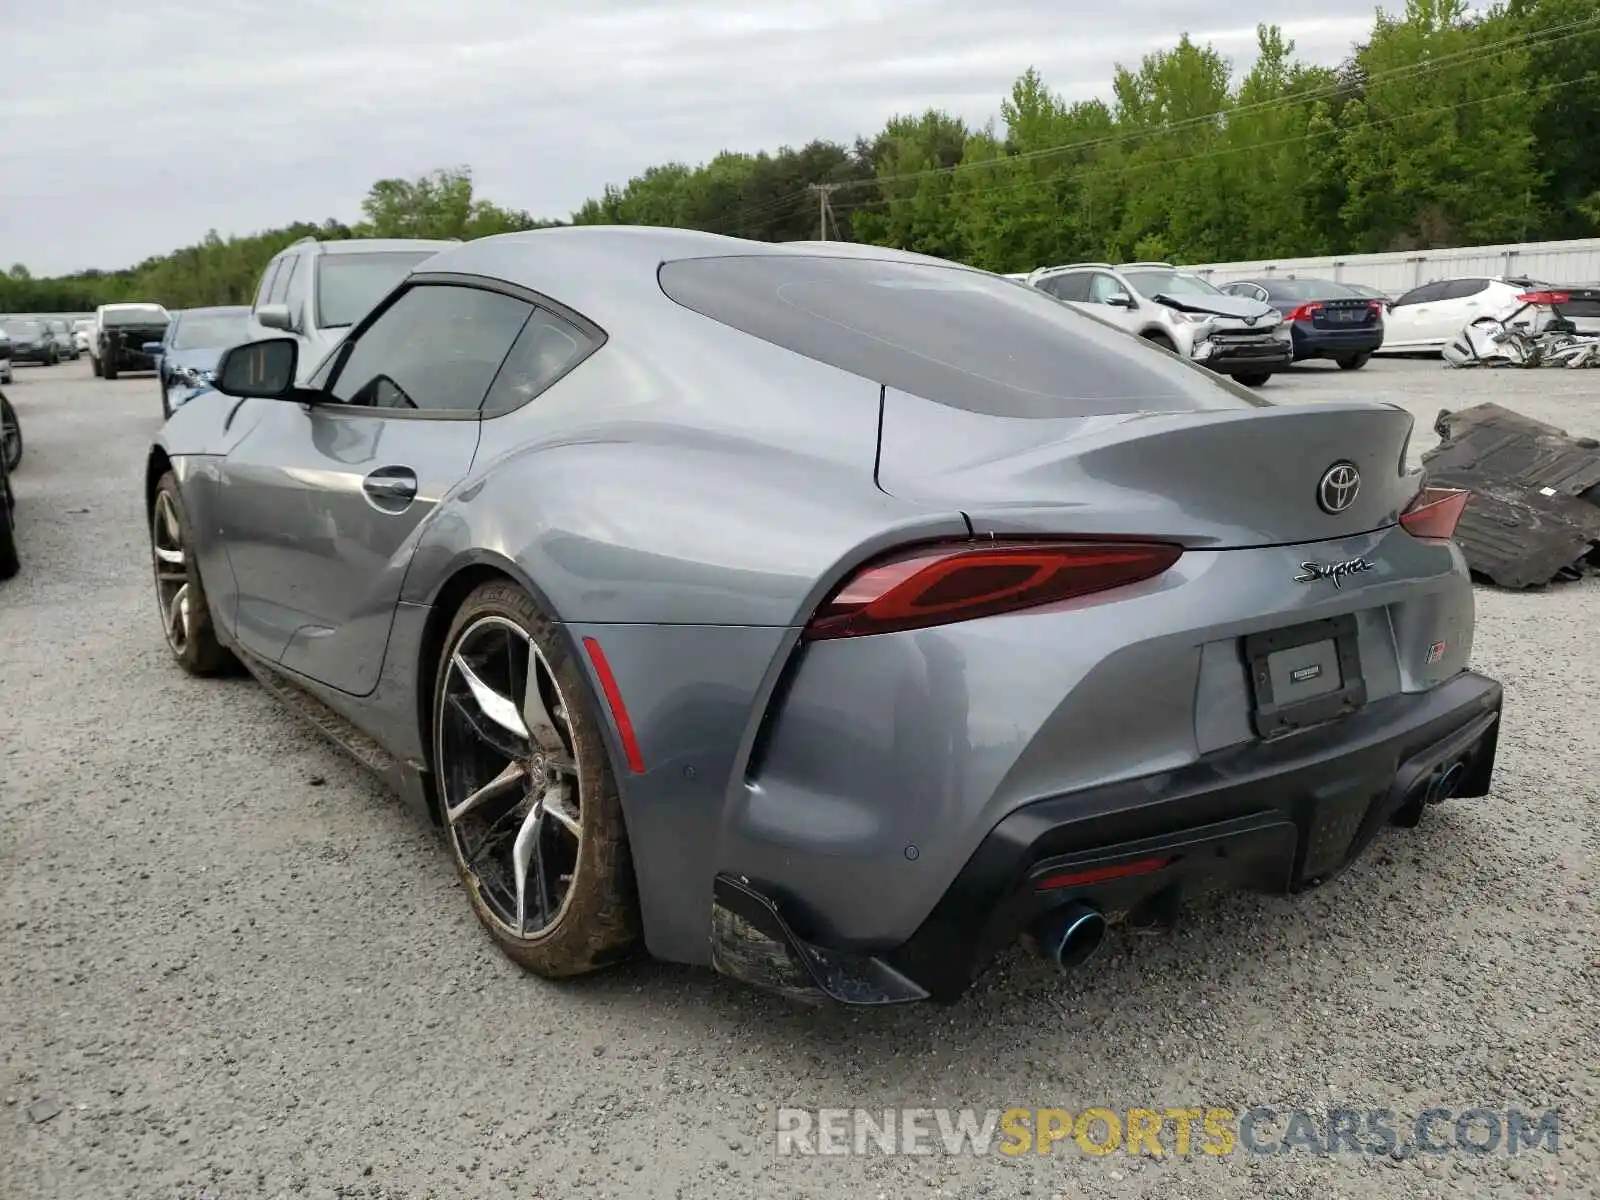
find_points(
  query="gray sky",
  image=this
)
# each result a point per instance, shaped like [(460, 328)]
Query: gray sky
[(131, 129)]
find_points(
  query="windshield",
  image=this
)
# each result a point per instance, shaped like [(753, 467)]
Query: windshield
[(207, 331), (1173, 283), (348, 285), (143, 314), (25, 329)]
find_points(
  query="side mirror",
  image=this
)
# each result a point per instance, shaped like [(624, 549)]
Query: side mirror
[(1120, 300), (151, 348), (259, 370), (275, 316)]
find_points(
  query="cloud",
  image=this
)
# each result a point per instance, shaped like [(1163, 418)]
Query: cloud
[(135, 132)]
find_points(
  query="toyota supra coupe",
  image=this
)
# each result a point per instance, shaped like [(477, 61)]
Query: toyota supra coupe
[(832, 617)]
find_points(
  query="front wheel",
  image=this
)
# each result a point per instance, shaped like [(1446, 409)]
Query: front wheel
[(1253, 378), (10, 564), (94, 366), (1162, 340), (10, 436), (180, 598), (526, 791), (108, 369), (1353, 362)]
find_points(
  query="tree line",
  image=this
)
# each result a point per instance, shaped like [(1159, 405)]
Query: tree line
[(1444, 127)]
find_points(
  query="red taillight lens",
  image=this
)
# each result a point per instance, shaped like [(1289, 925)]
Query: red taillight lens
[(1304, 312), (1435, 512), (1544, 297), (942, 584), (1376, 306), (1076, 879)]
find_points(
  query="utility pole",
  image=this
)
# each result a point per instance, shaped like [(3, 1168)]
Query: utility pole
[(824, 208)]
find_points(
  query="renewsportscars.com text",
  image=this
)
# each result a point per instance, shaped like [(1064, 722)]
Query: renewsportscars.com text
[(1160, 1132)]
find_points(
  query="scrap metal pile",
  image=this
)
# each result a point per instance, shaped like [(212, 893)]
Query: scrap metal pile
[(1538, 331), (1534, 516)]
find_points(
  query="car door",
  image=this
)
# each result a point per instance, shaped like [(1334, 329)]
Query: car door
[(1459, 303), (1101, 290), (318, 501), (1408, 321)]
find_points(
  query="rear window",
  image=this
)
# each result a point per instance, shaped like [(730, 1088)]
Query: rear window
[(142, 314), (963, 338), (1308, 289), (350, 285)]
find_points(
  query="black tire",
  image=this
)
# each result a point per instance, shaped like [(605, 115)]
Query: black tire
[(198, 651), (1162, 340), (10, 436), (597, 923), (10, 564), (1253, 378), (94, 366), (1353, 362), (108, 369)]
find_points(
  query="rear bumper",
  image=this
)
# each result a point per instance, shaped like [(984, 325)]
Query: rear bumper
[(1276, 816), (1331, 343)]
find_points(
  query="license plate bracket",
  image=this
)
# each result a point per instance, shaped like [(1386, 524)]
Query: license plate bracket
[(1304, 675)]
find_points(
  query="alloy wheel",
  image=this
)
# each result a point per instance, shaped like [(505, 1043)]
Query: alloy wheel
[(172, 574), (508, 777)]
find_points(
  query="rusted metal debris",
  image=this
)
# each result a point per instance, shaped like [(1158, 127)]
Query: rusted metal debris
[(1534, 516)]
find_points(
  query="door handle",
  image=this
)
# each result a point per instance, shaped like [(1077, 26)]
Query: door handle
[(391, 483)]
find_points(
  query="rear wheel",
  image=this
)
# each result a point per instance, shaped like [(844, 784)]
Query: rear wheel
[(180, 598), (526, 791), (1353, 362), (1254, 378)]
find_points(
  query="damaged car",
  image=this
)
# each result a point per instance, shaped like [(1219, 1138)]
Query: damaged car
[(1550, 326), (831, 620), (121, 336), (1179, 311)]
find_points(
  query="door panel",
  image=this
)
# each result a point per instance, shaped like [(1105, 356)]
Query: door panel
[(318, 506)]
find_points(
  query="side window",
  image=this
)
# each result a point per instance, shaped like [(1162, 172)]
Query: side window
[(267, 277), (544, 351), (1103, 287), (294, 293), (1421, 295), (280, 285), (435, 349), (1070, 287), (1460, 289)]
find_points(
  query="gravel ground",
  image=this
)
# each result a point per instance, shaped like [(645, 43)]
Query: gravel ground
[(241, 969)]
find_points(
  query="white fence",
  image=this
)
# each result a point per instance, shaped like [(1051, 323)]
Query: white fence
[(1551, 262)]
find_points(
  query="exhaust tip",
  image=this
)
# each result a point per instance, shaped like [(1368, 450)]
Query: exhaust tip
[(1071, 935), (1446, 782)]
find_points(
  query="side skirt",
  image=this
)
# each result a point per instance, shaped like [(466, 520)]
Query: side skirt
[(401, 777)]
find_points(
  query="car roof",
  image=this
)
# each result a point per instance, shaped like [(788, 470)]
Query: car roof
[(603, 269), (225, 309), (377, 245)]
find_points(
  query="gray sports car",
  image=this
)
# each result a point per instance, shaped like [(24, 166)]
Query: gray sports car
[(829, 616)]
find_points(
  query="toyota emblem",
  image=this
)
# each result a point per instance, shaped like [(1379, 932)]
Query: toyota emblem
[(1340, 485)]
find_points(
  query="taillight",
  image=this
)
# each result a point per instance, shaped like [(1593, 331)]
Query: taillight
[(1544, 297), (1435, 512), (1304, 312), (939, 585), (1376, 307)]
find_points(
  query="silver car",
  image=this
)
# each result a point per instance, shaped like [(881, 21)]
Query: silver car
[(1178, 311), (826, 618)]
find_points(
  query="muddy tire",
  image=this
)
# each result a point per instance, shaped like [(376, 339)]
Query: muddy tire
[(180, 596), (527, 794), (10, 563), (10, 436)]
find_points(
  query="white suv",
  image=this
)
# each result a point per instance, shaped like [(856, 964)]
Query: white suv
[(315, 291), (1178, 311)]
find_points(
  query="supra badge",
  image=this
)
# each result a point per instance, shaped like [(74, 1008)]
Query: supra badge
[(1310, 572)]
